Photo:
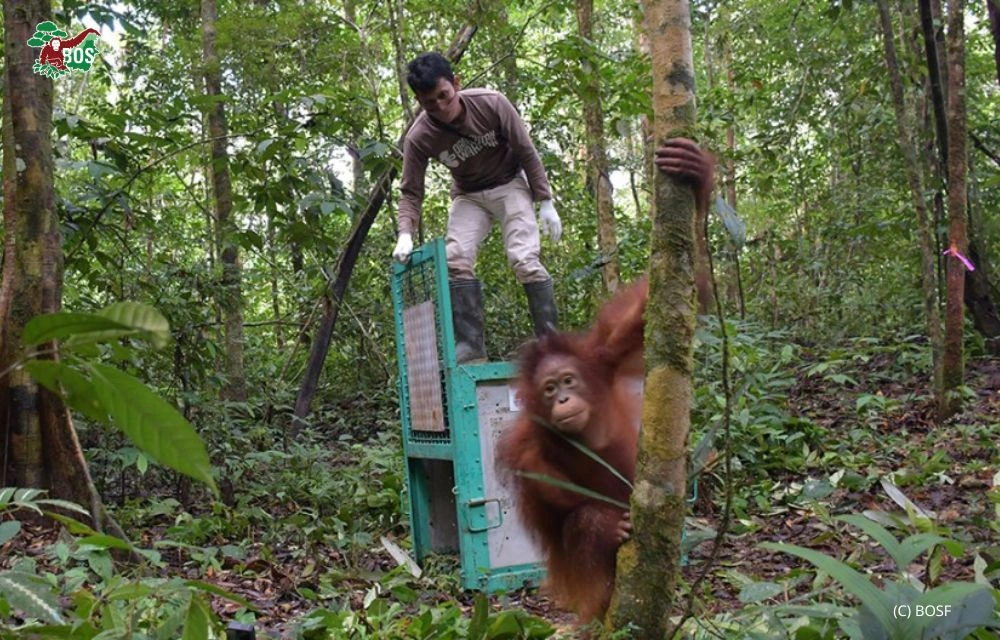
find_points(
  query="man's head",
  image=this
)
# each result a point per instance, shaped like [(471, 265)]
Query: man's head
[(435, 86)]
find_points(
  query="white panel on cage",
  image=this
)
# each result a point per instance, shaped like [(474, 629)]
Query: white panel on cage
[(510, 543)]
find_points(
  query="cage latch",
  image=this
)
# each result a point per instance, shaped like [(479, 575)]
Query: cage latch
[(479, 519)]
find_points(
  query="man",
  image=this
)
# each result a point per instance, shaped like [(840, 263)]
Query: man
[(496, 176)]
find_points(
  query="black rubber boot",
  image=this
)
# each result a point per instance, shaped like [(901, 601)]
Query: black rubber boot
[(467, 317), (542, 305)]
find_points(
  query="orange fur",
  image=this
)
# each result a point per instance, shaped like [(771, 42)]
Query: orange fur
[(579, 535)]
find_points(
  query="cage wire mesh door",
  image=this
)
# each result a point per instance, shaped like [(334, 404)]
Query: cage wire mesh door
[(452, 416)]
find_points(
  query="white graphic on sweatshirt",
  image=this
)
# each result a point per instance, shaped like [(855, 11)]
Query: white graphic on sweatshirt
[(465, 148)]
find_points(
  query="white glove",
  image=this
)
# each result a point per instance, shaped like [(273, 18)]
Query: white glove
[(404, 247), (551, 224)]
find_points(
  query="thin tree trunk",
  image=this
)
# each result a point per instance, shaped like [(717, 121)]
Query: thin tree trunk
[(593, 116), (954, 372), (736, 276), (993, 9), (914, 176), (641, 26), (345, 265), (649, 565), (230, 295), (38, 444), (928, 13), (274, 274)]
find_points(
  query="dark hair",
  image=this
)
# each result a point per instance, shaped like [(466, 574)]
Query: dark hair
[(426, 69)]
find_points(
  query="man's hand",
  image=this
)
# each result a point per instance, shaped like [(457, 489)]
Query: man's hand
[(685, 159), (551, 224), (404, 247)]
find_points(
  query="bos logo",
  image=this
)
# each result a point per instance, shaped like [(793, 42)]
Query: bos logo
[(60, 53)]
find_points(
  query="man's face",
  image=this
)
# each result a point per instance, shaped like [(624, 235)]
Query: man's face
[(441, 102)]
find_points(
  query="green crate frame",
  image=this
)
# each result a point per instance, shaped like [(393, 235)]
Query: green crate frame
[(460, 443)]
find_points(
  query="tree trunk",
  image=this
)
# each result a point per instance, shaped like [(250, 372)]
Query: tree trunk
[(641, 26), (345, 265), (993, 9), (230, 295), (928, 13), (37, 438), (914, 176), (736, 275), (954, 373), (649, 565), (597, 159)]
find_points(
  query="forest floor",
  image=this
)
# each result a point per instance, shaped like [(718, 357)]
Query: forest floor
[(946, 469)]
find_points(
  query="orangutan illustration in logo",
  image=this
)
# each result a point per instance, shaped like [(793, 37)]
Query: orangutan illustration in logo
[(59, 52)]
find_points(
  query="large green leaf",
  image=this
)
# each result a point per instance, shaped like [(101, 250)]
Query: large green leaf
[(877, 602), (30, 594), (8, 530), (969, 607), (143, 317), (198, 621), (55, 326), (153, 424), (75, 388), (12, 497), (116, 321), (903, 553)]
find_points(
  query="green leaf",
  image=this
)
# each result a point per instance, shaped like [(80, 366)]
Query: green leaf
[(30, 594), (99, 169), (142, 317), (103, 541), (970, 606), (216, 590), (877, 602), (198, 621), (569, 486), (74, 387), (900, 498), (757, 591), (153, 425), (173, 622), (54, 326), (72, 525), (480, 618), (579, 446), (8, 530), (881, 535)]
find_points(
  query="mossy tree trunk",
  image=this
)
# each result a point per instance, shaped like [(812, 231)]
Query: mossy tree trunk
[(230, 290), (597, 157), (37, 438), (649, 565)]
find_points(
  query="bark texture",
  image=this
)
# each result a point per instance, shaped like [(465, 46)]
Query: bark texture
[(597, 157), (230, 291), (648, 565), (37, 438), (954, 366)]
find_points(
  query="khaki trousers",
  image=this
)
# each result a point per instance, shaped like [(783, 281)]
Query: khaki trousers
[(469, 222)]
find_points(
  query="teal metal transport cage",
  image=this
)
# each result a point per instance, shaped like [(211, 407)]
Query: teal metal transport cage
[(452, 417)]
